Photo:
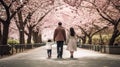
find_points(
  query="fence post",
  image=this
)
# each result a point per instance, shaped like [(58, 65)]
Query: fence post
[(12, 49)]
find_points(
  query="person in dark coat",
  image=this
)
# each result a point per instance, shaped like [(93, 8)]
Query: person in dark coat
[(59, 37)]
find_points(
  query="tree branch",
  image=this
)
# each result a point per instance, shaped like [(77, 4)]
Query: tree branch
[(83, 30), (17, 23), (1, 20), (118, 33), (99, 30), (108, 16), (6, 7), (44, 16), (105, 17), (100, 13), (4, 4), (26, 32), (26, 19), (118, 20), (29, 16), (116, 6), (21, 6), (13, 14), (11, 3)]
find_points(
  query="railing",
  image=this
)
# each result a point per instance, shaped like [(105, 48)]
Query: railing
[(16, 48), (100, 48)]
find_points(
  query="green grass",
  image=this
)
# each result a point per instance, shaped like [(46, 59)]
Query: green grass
[(12, 41), (106, 38)]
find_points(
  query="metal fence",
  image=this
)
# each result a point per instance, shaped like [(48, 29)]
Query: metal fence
[(102, 48), (16, 48)]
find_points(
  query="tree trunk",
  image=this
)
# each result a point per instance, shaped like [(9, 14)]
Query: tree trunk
[(29, 39), (35, 37), (40, 38), (101, 39), (29, 36), (21, 28), (5, 34), (5, 50), (83, 39), (21, 37), (114, 35), (90, 40), (0, 34)]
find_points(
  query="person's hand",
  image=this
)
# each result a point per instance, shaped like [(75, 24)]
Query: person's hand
[(65, 43)]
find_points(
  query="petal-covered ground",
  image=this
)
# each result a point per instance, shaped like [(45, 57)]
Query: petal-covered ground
[(38, 58)]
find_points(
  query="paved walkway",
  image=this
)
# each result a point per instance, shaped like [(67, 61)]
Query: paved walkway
[(38, 58)]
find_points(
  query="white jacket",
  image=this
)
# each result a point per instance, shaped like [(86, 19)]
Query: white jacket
[(49, 45)]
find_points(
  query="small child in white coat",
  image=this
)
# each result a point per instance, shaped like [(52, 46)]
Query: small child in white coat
[(49, 48)]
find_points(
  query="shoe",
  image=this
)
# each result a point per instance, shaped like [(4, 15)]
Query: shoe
[(48, 57), (58, 56), (71, 56)]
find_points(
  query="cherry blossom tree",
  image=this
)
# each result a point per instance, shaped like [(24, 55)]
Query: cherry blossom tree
[(9, 10), (31, 25), (26, 13), (8, 14), (21, 24), (37, 38), (43, 10), (91, 31), (109, 10)]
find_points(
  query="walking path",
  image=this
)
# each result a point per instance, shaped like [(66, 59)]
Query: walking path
[(38, 58)]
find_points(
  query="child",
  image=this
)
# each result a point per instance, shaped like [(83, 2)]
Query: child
[(49, 48)]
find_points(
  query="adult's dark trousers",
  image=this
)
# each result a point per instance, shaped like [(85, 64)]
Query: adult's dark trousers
[(60, 49)]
